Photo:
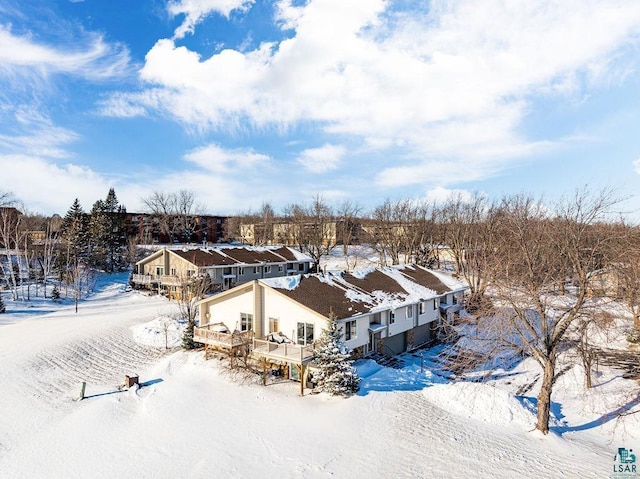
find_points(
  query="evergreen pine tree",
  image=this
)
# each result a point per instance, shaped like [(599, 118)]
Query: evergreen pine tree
[(335, 373), (106, 229), (74, 230), (3, 308), (98, 235), (115, 237), (76, 239), (55, 294), (187, 336)]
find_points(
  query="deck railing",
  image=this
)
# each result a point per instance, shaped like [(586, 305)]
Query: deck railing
[(145, 278), (171, 280), (284, 351), (217, 338)]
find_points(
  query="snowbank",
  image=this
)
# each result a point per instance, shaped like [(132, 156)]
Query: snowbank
[(481, 402), (159, 332)]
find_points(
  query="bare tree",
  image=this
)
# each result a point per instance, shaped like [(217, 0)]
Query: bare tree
[(535, 253), (161, 207), (48, 253), (12, 233), (191, 290), (263, 228), (295, 217), (626, 275), (319, 231), (390, 229), (174, 212), (472, 236), (347, 223)]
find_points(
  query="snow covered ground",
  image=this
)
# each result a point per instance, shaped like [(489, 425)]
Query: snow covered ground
[(191, 418)]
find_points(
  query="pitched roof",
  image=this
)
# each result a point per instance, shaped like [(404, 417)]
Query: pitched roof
[(253, 256), (425, 278), (202, 258), (350, 294), (324, 298), (286, 253), (232, 255), (376, 280)]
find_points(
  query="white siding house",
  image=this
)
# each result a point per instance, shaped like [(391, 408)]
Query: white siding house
[(385, 311)]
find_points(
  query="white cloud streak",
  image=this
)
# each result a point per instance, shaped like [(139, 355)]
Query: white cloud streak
[(22, 56), (196, 10)]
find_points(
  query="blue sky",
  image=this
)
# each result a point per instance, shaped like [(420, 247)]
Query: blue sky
[(247, 101)]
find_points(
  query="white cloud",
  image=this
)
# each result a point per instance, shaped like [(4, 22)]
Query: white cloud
[(216, 159), (44, 139), (21, 56), (442, 92), (48, 187), (323, 159), (196, 10), (440, 195)]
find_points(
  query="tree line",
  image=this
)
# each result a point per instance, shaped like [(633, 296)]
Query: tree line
[(541, 274)]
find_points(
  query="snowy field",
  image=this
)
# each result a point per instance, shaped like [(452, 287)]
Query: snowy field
[(191, 418)]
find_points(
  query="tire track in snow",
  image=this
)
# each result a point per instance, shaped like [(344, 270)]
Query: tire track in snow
[(474, 449), (102, 361)]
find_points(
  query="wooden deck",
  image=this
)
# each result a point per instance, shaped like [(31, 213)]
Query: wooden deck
[(207, 336), (145, 279), (282, 351)]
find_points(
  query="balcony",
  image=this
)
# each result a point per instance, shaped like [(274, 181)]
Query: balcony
[(212, 335), (282, 351), (147, 279), (171, 280)]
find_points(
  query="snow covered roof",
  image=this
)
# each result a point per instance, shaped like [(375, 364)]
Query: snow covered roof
[(236, 255), (351, 294)]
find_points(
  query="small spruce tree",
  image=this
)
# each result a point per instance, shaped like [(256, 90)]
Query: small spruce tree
[(55, 294), (3, 308), (334, 373), (187, 336)]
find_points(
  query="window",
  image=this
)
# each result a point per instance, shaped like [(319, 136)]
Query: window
[(173, 271), (305, 333), (421, 308), (159, 270), (455, 299), (255, 270), (392, 317), (409, 311), (267, 269), (435, 304), (301, 267), (246, 322), (350, 331), (241, 271), (190, 273), (274, 326), (280, 269)]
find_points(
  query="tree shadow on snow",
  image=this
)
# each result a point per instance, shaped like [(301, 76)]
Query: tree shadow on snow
[(605, 418), (530, 403), (410, 375)]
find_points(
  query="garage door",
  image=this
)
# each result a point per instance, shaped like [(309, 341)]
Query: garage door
[(421, 335), (397, 344)]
